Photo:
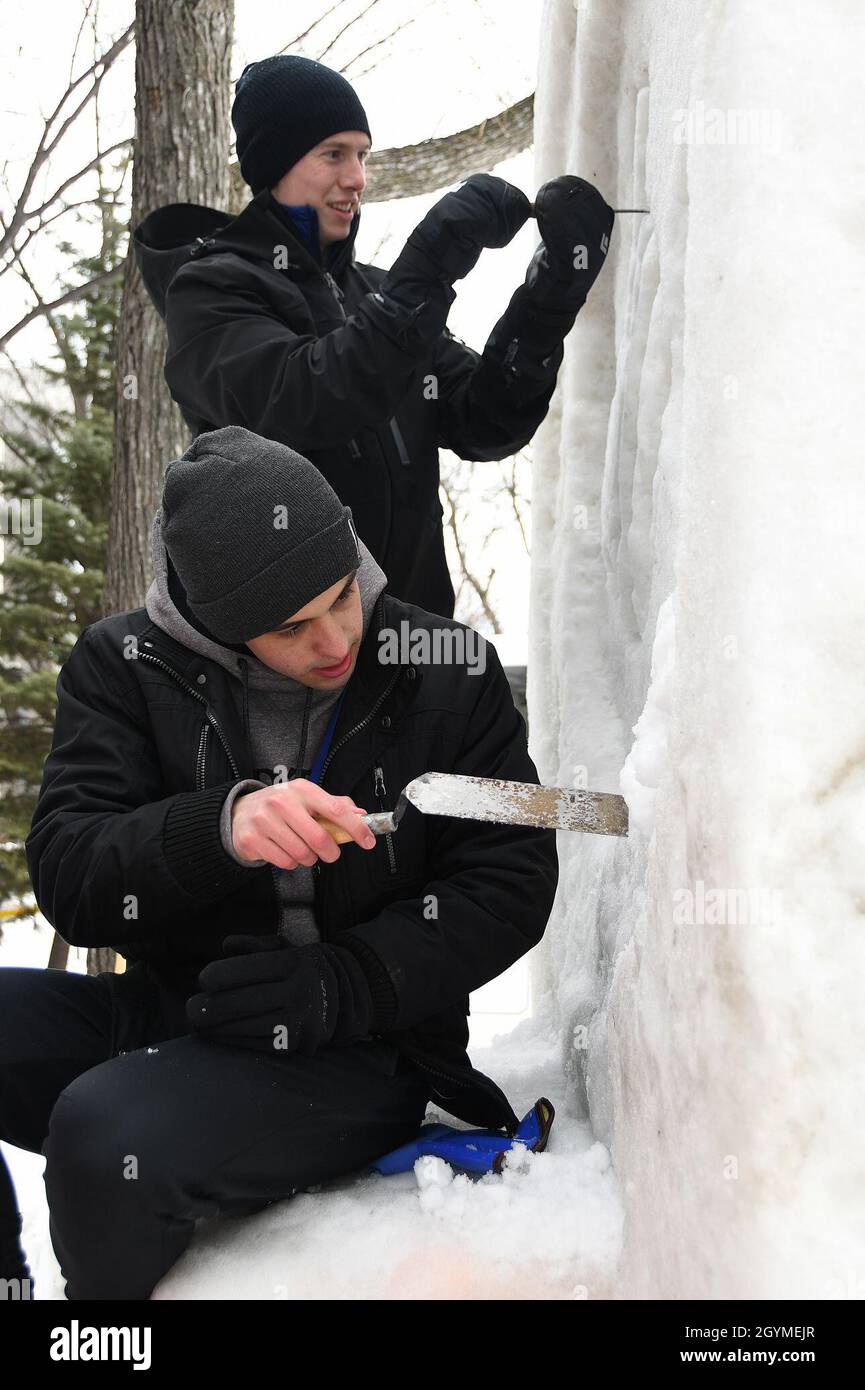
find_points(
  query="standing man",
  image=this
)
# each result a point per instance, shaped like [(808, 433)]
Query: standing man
[(272, 324)]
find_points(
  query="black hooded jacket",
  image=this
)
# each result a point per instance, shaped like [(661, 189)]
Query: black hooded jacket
[(312, 355), (124, 849)]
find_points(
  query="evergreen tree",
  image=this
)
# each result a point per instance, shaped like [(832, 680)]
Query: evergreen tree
[(55, 486)]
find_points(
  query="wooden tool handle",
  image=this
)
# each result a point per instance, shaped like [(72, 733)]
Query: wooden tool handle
[(339, 834)]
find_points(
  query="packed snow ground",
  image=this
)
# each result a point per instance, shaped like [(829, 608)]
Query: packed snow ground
[(548, 1228)]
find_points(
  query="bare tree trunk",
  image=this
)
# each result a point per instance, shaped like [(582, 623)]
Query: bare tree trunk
[(182, 129), (182, 102)]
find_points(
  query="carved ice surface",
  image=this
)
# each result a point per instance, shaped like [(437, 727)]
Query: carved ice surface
[(696, 635)]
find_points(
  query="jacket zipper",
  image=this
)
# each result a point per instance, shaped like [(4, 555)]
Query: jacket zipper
[(380, 788), (400, 443), (335, 290), (357, 728), (202, 749), (196, 695), (352, 443), (202, 757), (394, 427), (211, 718), (381, 792), (274, 871), (339, 297), (213, 721)]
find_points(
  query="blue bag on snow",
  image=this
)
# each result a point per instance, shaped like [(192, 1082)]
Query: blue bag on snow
[(473, 1150)]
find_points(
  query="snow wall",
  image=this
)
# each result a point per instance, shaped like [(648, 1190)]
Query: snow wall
[(698, 636)]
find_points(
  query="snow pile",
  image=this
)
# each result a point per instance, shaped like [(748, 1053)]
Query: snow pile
[(548, 1228), (541, 1230), (697, 613)]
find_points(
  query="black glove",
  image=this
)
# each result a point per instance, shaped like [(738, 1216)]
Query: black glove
[(575, 224), (414, 299), (273, 997), (446, 244), (525, 349)]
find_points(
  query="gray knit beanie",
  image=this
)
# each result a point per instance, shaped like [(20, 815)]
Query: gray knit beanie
[(254, 531)]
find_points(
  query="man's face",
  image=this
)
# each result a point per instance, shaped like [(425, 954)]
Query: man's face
[(331, 178), (323, 634)]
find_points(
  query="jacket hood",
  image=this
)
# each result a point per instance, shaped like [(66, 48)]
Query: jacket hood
[(166, 604), (172, 235)]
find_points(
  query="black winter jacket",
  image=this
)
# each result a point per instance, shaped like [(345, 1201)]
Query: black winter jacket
[(124, 848), (261, 335)]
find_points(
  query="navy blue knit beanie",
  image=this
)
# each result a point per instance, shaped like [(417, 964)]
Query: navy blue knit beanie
[(285, 106)]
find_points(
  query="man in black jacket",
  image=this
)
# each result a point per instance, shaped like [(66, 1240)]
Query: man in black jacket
[(274, 325), (288, 1008)]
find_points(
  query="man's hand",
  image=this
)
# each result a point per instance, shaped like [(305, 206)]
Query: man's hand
[(575, 224), (276, 824), (447, 242), (272, 997)]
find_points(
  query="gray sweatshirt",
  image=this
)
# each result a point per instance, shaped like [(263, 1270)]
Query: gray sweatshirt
[(286, 721)]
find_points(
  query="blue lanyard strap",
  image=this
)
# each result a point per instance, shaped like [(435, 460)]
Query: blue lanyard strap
[(315, 771)]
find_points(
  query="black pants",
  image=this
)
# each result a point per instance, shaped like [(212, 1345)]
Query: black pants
[(146, 1127)]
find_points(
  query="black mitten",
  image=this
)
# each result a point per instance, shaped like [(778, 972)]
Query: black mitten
[(446, 244), (414, 299), (575, 224), (483, 211), (525, 349)]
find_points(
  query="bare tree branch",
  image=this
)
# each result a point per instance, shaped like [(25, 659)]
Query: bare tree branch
[(513, 492), (77, 292), (370, 48), (86, 14), (298, 38), (44, 424), (92, 164), (345, 28), (43, 308), (406, 171), (40, 226), (48, 142), (105, 62), (481, 588)]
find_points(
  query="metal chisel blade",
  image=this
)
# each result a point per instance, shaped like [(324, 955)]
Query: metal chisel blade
[(507, 803)]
